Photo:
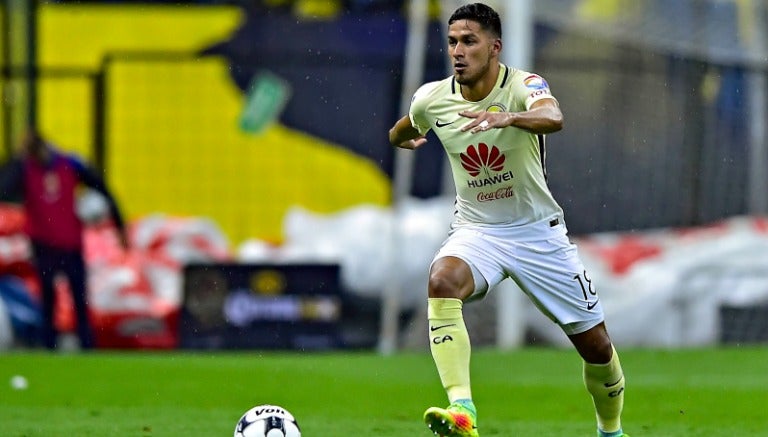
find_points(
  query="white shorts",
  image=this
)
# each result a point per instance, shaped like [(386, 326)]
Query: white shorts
[(545, 265)]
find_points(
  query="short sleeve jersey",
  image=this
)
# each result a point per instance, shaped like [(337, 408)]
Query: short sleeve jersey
[(499, 174)]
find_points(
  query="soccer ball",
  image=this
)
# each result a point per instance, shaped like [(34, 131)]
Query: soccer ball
[(91, 206), (267, 421)]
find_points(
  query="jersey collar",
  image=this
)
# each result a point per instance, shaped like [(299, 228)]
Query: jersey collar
[(456, 88)]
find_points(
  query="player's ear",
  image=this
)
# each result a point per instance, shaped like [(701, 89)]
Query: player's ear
[(496, 47)]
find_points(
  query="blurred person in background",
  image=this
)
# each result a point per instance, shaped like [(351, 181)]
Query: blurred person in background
[(47, 181), (491, 119)]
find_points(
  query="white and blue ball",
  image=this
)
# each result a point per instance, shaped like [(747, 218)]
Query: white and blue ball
[(267, 421)]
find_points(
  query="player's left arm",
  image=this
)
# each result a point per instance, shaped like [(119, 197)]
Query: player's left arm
[(89, 178), (543, 117)]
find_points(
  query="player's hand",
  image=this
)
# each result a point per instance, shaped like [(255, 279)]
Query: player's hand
[(412, 144), (483, 120)]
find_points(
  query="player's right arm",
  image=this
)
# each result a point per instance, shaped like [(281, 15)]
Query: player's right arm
[(11, 180), (404, 135), (410, 131)]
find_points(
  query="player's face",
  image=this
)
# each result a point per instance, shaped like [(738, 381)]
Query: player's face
[(471, 50), (34, 146)]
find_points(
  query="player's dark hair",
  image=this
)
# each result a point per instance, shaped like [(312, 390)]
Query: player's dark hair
[(34, 141), (482, 14)]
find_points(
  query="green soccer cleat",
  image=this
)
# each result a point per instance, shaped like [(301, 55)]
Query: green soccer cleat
[(454, 421)]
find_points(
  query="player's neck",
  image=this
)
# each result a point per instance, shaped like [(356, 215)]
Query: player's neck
[(483, 86)]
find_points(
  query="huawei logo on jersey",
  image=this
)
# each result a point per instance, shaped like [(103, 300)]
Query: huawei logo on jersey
[(474, 160), (482, 159)]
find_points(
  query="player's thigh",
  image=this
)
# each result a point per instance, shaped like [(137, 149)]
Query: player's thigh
[(552, 274), (479, 255)]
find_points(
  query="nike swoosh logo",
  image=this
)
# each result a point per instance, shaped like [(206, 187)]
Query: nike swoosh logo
[(438, 124), (592, 305), (609, 385), (435, 328)]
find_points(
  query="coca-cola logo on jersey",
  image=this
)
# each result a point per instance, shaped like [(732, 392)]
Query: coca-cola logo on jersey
[(501, 193)]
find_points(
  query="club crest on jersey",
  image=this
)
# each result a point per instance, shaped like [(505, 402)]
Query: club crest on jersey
[(535, 82), (496, 107)]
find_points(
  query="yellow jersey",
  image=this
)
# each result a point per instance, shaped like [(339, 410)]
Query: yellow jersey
[(500, 174)]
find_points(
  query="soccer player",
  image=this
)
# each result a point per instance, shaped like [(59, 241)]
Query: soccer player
[(48, 180), (491, 119)]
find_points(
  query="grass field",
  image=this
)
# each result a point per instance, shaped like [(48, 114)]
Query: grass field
[(530, 392)]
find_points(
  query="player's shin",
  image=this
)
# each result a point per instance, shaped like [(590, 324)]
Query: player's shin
[(605, 382), (450, 346)]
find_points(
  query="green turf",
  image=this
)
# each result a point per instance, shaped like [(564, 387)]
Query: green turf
[(530, 392)]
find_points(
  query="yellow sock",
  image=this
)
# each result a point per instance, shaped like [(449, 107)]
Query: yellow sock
[(449, 343), (605, 382)]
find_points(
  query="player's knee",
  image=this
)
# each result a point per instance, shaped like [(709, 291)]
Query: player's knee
[(599, 351), (440, 286), (594, 345), (604, 351)]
